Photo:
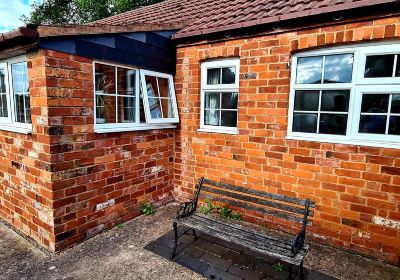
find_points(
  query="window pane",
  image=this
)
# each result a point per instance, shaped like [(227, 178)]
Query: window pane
[(306, 100), (163, 84), (155, 109), (105, 109), (22, 111), (27, 108), (212, 100), (309, 70), (229, 100), (151, 86), (3, 106), (229, 118), (397, 73), (373, 124), (2, 80), (333, 124), (211, 117), (126, 109), (379, 66), (228, 75), (126, 81), (335, 100), (375, 103), (394, 125), (167, 108), (104, 78), (395, 103), (305, 122), (338, 68), (19, 72), (214, 76)]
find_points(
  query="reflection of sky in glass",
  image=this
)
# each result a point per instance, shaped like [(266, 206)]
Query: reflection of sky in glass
[(20, 77), (338, 68), (309, 70)]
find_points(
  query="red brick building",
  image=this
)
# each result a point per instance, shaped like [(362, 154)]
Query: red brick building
[(300, 98)]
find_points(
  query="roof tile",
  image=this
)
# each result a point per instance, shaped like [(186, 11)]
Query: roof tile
[(207, 16)]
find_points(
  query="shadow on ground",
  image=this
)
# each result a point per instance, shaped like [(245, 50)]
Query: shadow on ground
[(217, 259)]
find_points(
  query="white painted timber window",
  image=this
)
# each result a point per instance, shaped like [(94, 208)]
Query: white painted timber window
[(219, 96), (15, 113), (348, 95), (123, 101)]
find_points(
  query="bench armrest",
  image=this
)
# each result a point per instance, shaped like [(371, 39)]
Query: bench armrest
[(186, 209)]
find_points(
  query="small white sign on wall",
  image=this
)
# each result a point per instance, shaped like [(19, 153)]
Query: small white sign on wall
[(106, 204)]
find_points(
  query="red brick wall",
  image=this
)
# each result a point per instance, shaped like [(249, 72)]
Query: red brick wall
[(64, 169), (356, 188), (25, 188), (89, 168)]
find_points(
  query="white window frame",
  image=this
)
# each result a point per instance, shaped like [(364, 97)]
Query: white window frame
[(150, 120), (10, 123), (357, 87), (223, 63), (137, 125)]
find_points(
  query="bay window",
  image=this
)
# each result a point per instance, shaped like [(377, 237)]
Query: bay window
[(347, 95), (132, 99), (15, 113), (219, 96)]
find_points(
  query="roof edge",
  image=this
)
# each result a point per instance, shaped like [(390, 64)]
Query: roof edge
[(295, 15)]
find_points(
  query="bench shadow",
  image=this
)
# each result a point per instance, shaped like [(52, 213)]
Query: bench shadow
[(217, 259)]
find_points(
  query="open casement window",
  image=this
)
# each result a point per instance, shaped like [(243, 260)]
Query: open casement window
[(159, 97), (219, 96), (15, 112), (119, 105), (347, 95)]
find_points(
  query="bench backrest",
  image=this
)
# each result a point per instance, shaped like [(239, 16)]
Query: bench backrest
[(280, 206)]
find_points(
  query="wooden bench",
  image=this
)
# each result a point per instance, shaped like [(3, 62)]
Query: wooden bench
[(288, 250)]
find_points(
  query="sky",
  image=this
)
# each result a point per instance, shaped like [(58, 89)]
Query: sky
[(11, 11)]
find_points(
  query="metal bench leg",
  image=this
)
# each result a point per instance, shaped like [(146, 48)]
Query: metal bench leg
[(301, 271), (194, 234), (290, 272), (175, 225)]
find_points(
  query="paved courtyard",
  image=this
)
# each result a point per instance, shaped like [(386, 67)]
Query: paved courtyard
[(120, 254)]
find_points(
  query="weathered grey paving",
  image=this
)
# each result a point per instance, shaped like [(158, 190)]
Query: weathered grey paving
[(119, 254)]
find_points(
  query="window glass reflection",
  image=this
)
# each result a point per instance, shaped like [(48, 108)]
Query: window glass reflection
[(305, 122), (379, 66), (335, 100), (333, 124), (309, 70), (375, 103), (306, 100), (338, 68)]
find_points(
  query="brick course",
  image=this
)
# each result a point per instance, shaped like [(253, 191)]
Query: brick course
[(356, 188)]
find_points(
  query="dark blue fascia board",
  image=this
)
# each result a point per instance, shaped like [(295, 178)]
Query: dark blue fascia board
[(147, 50)]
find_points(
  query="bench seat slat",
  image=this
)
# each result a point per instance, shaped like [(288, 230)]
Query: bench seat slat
[(260, 243), (245, 232), (279, 197), (279, 214), (256, 200)]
